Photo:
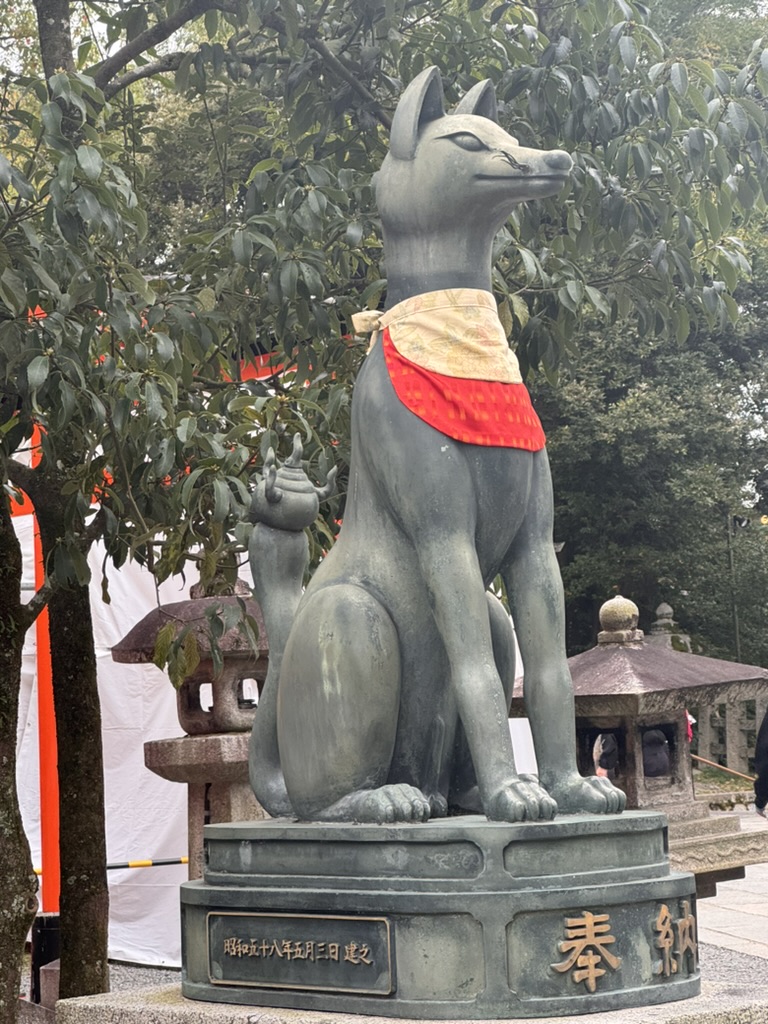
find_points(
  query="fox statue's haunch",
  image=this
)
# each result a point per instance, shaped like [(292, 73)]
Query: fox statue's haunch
[(391, 676)]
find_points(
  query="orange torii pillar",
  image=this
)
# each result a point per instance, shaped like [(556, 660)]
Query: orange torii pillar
[(46, 724)]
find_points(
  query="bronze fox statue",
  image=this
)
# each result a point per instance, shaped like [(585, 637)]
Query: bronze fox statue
[(391, 675)]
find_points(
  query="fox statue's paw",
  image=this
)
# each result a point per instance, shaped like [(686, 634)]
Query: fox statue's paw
[(593, 794), (520, 800), (383, 806)]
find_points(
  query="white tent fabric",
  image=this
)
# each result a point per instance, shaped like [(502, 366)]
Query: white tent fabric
[(146, 816)]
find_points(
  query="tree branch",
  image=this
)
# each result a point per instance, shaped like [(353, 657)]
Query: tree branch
[(29, 612), (170, 62), (346, 74), (158, 33), (21, 476), (340, 68), (105, 74), (93, 530)]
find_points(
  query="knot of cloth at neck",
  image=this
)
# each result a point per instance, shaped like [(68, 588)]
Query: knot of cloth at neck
[(456, 332)]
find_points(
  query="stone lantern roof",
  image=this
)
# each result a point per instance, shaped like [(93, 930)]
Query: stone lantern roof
[(138, 645), (629, 673)]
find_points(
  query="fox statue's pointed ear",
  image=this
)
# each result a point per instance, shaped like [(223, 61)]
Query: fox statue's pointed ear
[(480, 100), (421, 102)]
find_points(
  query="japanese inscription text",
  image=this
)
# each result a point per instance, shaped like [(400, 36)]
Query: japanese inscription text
[(676, 940), (332, 953), (285, 948), (587, 940)]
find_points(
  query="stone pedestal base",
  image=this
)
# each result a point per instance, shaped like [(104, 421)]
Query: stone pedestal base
[(455, 919)]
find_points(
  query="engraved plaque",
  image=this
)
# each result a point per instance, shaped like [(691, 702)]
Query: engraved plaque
[(301, 951)]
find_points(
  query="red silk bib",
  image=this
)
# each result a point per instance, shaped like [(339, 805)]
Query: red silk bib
[(484, 412)]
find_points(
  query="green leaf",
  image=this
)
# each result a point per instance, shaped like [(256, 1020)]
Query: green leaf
[(191, 654), (354, 234), (90, 161), (242, 247), (211, 22), (312, 279), (317, 174), (737, 116), (708, 213), (704, 68), (154, 401), (289, 276), (317, 202), (207, 298), (641, 158), (51, 116), (728, 270), (531, 264), (186, 428), (575, 290), (261, 239), (678, 76), (628, 51), (498, 12), (6, 171), (87, 205), (291, 16), (83, 51), (221, 495), (598, 300), (520, 309), (698, 102), (12, 292), (683, 325), (731, 307), (68, 398), (37, 372), (45, 279), (165, 637), (566, 299), (711, 300)]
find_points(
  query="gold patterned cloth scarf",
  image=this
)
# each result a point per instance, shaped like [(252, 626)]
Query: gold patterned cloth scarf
[(456, 332)]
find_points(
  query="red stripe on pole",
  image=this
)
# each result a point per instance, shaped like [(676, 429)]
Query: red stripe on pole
[(46, 725)]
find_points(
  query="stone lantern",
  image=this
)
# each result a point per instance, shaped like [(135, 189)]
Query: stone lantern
[(631, 700), (212, 758)]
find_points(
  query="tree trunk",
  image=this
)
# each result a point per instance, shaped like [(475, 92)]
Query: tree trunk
[(84, 906), (18, 903), (54, 32)]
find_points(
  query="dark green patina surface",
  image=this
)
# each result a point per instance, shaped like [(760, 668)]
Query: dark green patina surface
[(453, 919)]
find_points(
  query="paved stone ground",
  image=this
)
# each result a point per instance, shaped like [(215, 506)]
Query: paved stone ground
[(737, 918)]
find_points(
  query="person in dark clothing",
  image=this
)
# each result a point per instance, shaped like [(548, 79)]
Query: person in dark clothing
[(656, 757), (761, 768), (606, 754)]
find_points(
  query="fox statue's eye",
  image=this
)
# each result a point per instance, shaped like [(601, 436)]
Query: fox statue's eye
[(468, 141)]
